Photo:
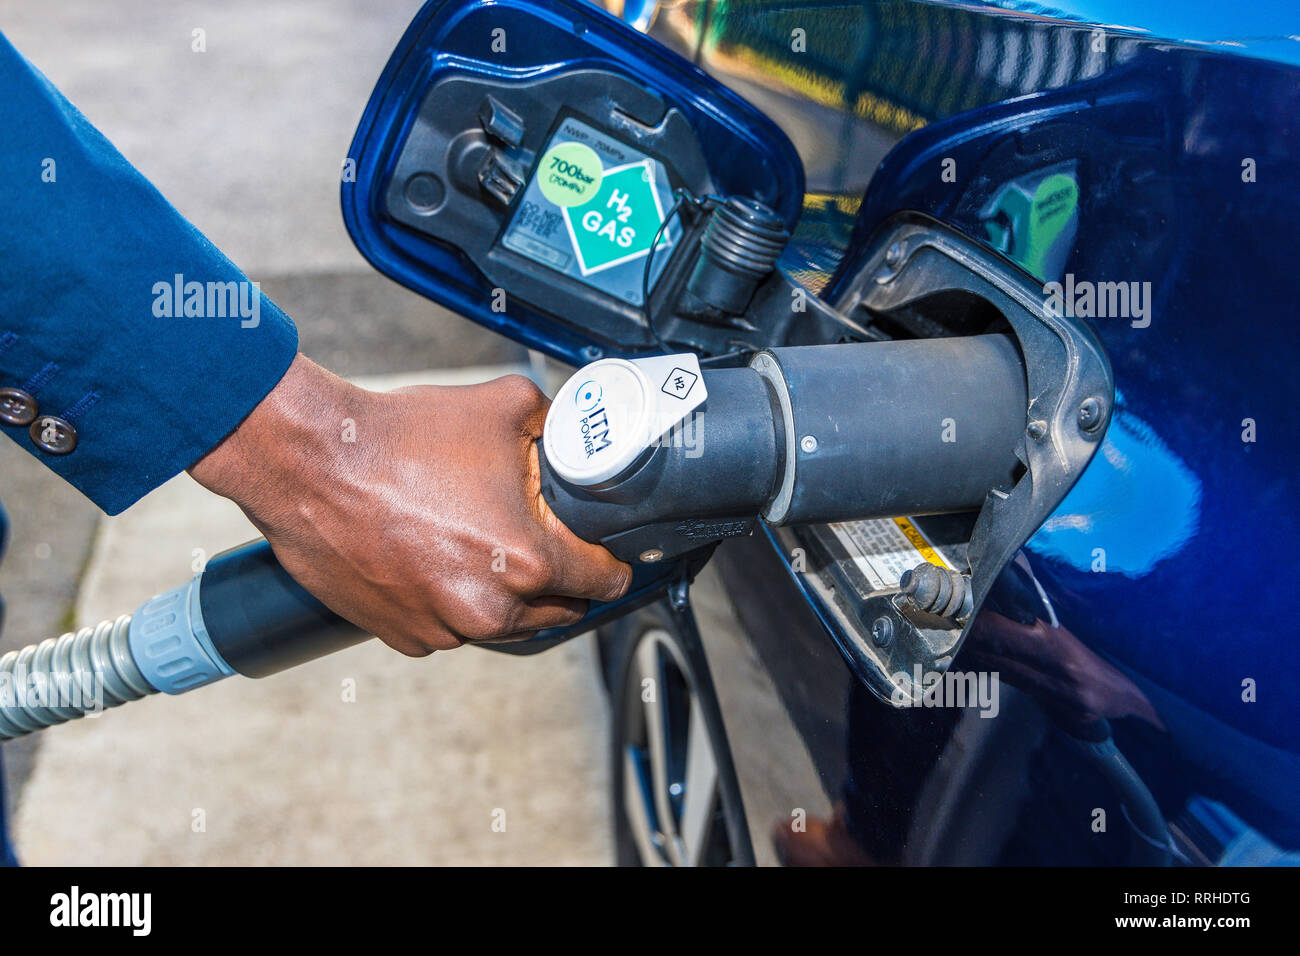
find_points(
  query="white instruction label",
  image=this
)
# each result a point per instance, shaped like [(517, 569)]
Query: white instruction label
[(883, 548)]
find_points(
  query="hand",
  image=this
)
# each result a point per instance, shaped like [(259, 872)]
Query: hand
[(428, 528)]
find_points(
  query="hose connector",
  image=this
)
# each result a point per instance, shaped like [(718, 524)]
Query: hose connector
[(170, 643), (164, 646)]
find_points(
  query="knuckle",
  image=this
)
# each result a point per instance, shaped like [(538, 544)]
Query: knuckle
[(531, 571), (521, 392), (618, 583), (483, 619), (409, 645)]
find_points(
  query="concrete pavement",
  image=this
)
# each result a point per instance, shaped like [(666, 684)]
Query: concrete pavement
[(246, 140), (366, 757)]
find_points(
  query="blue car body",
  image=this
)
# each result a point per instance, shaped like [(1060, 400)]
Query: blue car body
[(1152, 153)]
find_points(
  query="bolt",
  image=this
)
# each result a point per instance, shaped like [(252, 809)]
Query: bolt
[(894, 255), (1090, 415), (1037, 430), (882, 631), (808, 443), (592, 354), (651, 556)]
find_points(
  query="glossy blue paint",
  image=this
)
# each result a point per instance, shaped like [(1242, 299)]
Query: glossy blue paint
[(1265, 29), (1162, 141), (517, 39), (1157, 601), (1159, 594), (1137, 505)]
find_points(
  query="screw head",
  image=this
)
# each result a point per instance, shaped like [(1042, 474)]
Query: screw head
[(808, 443), (1037, 430), (882, 631), (651, 556), (894, 255), (1090, 414), (592, 353)]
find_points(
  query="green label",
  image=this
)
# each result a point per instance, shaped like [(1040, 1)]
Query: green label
[(619, 222), (590, 211), (569, 174), (1033, 219), (1055, 200)]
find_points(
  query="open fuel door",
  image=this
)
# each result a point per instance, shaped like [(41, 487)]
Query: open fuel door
[(518, 161)]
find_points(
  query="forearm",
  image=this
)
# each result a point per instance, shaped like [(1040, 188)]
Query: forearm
[(115, 313)]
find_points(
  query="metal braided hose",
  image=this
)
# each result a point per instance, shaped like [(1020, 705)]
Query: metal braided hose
[(64, 678)]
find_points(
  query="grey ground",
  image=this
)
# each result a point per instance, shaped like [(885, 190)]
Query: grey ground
[(246, 140)]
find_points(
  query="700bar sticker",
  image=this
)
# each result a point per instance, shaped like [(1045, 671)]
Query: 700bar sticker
[(610, 200), (570, 174)]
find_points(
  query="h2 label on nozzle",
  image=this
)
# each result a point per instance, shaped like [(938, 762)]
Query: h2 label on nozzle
[(610, 413), (591, 211)]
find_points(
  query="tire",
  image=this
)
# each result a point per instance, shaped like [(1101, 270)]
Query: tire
[(675, 799)]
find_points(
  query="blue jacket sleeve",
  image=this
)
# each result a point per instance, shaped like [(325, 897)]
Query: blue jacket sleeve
[(116, 315)]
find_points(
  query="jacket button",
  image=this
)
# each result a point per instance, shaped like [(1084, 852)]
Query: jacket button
[(16, 407), (53, 435)]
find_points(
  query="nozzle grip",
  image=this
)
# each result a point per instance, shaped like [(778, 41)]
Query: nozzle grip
[(717, 468), (260, 620)]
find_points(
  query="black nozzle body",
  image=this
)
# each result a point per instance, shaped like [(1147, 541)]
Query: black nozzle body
[(260, 620), (834, 433)]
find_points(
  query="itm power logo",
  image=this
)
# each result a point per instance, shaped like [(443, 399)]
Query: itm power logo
[(594, 423), (75, 908)]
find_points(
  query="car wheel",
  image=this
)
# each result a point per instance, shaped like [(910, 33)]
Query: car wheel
[(675, 802)]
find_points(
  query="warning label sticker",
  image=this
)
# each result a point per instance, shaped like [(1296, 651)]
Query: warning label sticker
[(592, 211), (883, 548)]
